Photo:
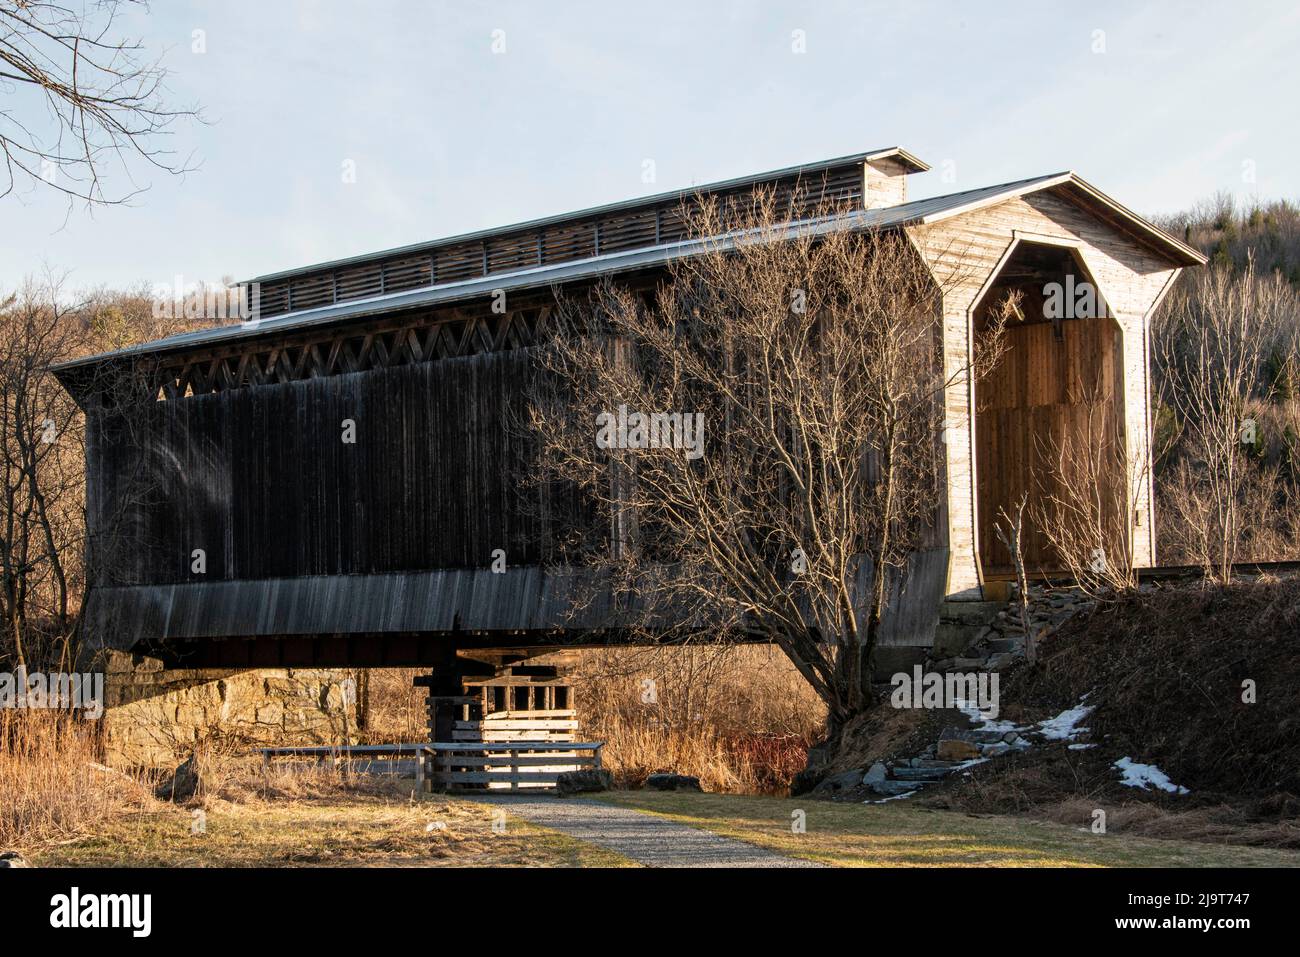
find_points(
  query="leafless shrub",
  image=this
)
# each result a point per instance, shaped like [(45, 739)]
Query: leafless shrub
[(1214, 348), (1266, 526), (739, 718), (1084, 511)]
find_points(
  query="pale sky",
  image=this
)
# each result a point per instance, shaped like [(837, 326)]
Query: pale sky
[(1159, 104)]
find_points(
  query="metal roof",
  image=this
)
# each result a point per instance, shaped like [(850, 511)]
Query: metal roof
[(889, 217), (893, 152)]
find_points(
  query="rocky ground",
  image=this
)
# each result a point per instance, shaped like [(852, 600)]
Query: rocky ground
[(975, 637), (1171, 710), (991, 636)]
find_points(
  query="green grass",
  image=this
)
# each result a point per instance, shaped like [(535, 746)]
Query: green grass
[(896, 834)]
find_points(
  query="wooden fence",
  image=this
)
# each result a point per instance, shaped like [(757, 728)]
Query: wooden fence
[(347, 756), (467, 766), (508, 766)]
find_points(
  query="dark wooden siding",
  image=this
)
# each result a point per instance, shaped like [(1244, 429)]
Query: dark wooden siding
[(260, 479)]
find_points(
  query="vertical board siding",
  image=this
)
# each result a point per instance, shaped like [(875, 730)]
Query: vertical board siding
[(260, 479), (1041, 392)]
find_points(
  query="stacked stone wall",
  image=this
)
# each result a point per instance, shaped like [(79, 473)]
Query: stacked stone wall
[(155, 716)]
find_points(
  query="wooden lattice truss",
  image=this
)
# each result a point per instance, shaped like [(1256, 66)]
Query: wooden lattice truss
[(357, 348)]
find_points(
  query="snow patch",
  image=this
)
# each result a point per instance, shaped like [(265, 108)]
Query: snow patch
[(894, 797), (1146, 776), (982, 723), (1064, 727), (1080, 747)]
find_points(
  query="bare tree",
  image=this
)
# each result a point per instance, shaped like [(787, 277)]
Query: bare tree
[(762, 431), (45, 552), (80, 100), (1212, 352), (41, 477)]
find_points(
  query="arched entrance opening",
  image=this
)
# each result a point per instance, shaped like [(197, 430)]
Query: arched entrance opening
[(1049, 417)]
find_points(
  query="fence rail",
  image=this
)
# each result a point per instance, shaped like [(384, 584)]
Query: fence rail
[(513, 766), (346, 754), (510, 766)]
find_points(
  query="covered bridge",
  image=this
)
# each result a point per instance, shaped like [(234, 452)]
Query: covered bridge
[(320, 552)]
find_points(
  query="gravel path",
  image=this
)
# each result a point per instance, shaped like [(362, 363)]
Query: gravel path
[(645, 838)]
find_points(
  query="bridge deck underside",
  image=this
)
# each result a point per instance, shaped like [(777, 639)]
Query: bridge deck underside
[(379, 650)]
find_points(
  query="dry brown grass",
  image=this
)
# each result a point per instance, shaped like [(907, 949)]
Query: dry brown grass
[(61, 809), (306, 816), (1168, 673), (1165, 672), (1070, 787), (1222, 823), (51, 788), (739, 718), (235, 778), (396, 711)]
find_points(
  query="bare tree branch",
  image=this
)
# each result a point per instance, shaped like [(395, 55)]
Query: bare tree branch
[(81, 104)]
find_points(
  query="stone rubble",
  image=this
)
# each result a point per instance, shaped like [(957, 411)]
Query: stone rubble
[(999, 643), (662, 781), (985, 636), (584, 781)]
